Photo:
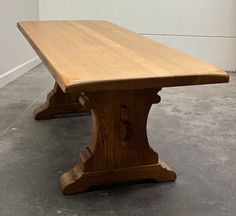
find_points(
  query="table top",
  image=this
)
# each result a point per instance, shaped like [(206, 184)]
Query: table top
[(91, 55)]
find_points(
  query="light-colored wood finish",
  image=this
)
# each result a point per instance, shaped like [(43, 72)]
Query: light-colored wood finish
[(119, 148), (59, 103), (99, 55), (116, 74)]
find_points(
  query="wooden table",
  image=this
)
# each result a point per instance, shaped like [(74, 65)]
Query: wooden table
[(116, 74)]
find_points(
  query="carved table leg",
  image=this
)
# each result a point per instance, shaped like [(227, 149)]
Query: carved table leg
[(119, 149), (58, 103)]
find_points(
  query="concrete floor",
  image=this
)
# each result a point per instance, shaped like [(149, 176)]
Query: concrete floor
[(193, 129)]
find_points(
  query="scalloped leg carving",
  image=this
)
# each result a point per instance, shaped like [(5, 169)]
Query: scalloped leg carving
[(119, 150), (77, 181), (59, 103)]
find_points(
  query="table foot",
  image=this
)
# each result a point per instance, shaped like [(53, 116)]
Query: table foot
[(76, 181), (119, 148), (58, 103)]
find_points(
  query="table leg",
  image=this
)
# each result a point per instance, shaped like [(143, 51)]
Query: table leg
[(119, 149), (58, 103)]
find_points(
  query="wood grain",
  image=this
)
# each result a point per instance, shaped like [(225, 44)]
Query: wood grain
[(119, 148), (116, 74), (98, 55), (59, 103)]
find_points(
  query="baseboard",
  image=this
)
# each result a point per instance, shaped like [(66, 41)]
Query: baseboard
[(18, 71)]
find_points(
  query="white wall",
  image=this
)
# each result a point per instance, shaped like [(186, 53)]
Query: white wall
[(203, 28), (16, 56)]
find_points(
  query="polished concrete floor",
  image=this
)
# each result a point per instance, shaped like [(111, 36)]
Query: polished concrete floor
[(193, 129)]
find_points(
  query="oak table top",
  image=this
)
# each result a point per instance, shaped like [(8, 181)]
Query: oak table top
[(99, 55)]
